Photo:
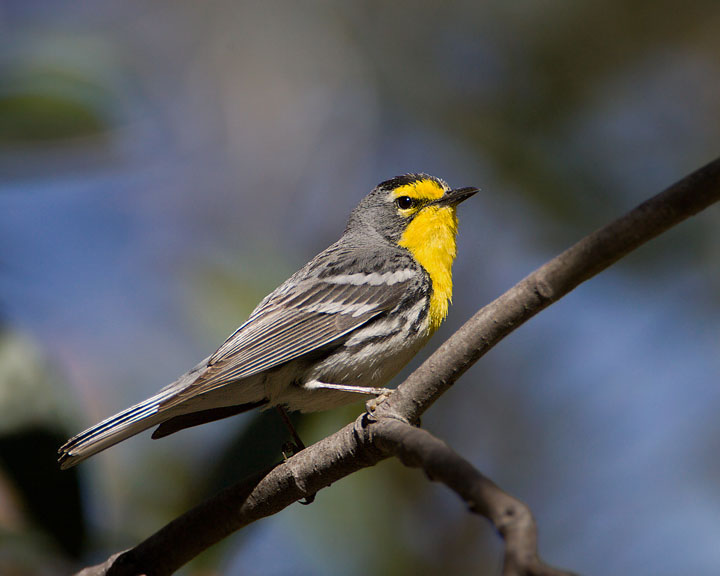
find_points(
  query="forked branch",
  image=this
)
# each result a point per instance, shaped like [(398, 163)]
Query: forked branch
[(417, 448)]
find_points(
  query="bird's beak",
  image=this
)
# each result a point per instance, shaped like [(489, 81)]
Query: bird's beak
[(454, 197)]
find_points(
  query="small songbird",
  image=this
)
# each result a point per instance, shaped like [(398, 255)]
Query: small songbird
[(340, 327)]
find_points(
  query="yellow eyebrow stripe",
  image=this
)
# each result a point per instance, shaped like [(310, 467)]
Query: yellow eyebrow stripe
[(421, 189)]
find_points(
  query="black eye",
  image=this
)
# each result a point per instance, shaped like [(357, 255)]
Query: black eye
[(404, 202)]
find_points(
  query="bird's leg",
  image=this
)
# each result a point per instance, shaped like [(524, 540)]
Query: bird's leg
[(295, 448), (367, 390), (380, 394), (298, 446)]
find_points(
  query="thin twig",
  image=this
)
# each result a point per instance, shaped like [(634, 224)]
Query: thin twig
[(417, 448)]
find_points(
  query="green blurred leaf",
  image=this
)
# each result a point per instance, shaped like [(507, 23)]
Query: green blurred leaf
[(33, 117)]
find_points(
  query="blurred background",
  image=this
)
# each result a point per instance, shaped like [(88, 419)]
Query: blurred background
[(164, 165)]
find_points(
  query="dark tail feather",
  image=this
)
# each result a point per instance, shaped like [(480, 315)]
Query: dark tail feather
[(113, 430), (183, 421), (134, 420)]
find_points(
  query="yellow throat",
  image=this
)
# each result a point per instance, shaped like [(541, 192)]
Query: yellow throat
[(430, 238)]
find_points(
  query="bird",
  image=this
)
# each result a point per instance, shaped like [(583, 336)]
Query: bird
[(339, 328)]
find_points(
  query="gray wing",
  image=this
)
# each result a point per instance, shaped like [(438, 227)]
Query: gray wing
[(292, 322)]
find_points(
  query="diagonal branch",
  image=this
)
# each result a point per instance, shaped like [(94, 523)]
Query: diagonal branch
[(353, 447), (548, 284)]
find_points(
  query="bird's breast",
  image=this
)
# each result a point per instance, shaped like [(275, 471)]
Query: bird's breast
[(431, 239)]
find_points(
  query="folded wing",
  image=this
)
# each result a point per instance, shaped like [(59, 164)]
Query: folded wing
[(293, 322)]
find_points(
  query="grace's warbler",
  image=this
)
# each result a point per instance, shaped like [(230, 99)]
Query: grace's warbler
[(341, 326)]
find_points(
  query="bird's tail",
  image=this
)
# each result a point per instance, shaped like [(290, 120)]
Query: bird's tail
[(113, 430), (127, 423)]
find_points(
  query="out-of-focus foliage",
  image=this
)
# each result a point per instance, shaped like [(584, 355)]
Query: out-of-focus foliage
[(164, 165), (33, 114), (41, 515), (53, 89)]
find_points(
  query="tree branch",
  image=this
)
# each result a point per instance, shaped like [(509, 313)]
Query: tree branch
[(417, 448), (370, 438), (548, 284)]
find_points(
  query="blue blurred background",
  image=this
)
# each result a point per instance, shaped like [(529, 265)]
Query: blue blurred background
[(163, 165)]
